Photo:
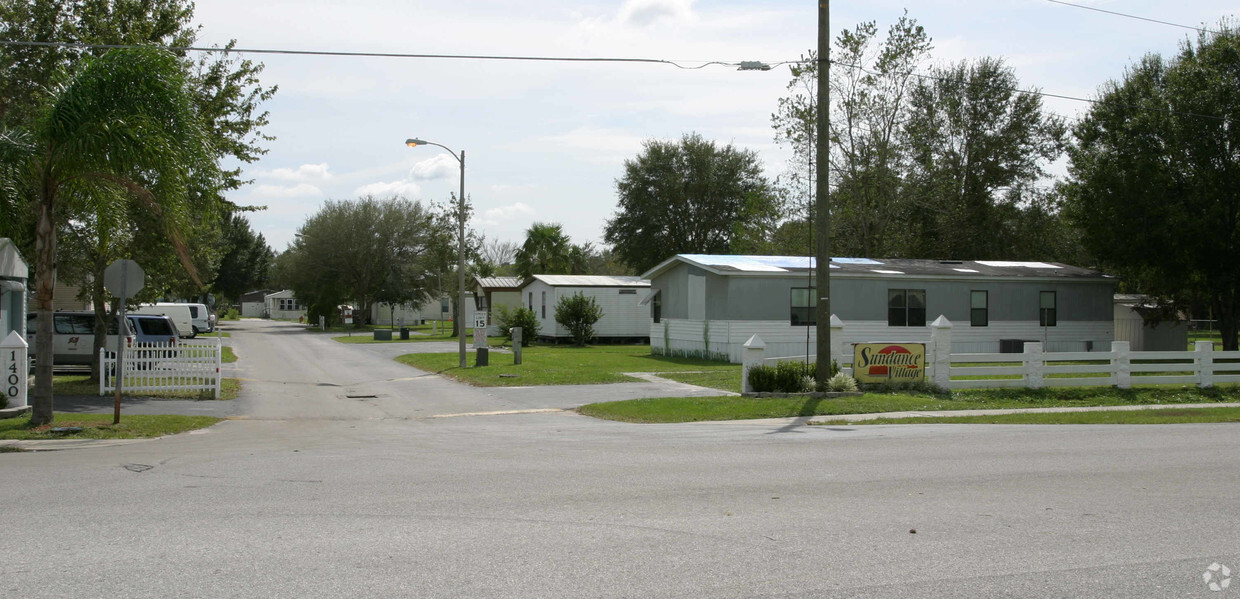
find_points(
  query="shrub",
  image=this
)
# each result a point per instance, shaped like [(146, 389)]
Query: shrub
[(841, 383), (578, 313), (507, 318), (232, 314), (784, 377)]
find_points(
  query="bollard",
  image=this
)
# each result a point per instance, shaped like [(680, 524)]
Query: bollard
[(482, 358), (516, 345)]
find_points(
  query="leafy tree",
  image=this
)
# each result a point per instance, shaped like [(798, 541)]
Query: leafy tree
[(979, 147), (689, 196), (496, 258), (246, 262), (507, 318), (1154, 177), (578, 313), (362, 251), (547, 250), (126, 122), (870, 87)]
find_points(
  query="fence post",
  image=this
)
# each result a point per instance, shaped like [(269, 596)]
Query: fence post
[(1121, 364), (1033, 364), (755, 348), (219, 359), (1205, 364), (941, 351), (516, 345), (103, 371), (840, 350)]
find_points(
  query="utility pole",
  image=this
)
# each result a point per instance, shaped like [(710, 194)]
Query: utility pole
[(822, 253)]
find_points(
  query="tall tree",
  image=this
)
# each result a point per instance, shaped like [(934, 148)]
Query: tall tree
[(1155, 176), (870, 89), (979, 146), (124, 122), (547, 250), (689, 196), (362, 251), (246, 262)]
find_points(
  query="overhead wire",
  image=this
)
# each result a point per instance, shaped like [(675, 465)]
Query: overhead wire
[(1139, 18)]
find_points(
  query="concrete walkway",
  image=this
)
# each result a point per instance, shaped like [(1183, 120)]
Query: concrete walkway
[(947, 413)]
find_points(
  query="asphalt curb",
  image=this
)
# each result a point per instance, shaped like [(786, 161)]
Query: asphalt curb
[(998, 412)]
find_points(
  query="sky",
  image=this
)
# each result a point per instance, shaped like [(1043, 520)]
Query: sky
[(546, 141)]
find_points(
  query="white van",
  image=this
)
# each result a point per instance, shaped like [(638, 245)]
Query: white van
[(73, 337), (179, 313), (200, 316)]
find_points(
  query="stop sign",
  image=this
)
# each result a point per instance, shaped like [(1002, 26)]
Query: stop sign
[(124, 278)]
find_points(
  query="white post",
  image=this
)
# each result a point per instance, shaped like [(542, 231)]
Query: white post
[(840, 349), (1033, 364), (1121, 364), (103, 370), (219, 359), (941, 352), (14, 370), (1205, 364), (755, 349)]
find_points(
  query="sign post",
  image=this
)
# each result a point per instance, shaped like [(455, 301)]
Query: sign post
[(123, 278), (13, 367), (348, 319)]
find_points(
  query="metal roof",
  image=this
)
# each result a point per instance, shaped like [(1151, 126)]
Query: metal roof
[(498, 282), (591, 281), (879, 267)]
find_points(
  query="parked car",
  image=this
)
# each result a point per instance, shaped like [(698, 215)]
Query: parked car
[(153, 329), (202, 320), (179, 313), (73, 337)]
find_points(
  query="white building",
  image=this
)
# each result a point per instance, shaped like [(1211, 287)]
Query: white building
[(625, 316), (282, 305)]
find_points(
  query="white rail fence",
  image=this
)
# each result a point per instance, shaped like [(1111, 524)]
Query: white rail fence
[(185, 366), (1034, 369)]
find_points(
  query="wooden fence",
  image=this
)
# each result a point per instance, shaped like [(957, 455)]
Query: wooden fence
[(184, 366)]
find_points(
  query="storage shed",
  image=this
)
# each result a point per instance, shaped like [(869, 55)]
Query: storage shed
[(1147, 325), (625, 316), (710, 305), (254, 303)]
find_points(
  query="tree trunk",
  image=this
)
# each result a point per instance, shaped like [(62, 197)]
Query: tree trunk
[(45, 272), (1228, 320), (101, 321)]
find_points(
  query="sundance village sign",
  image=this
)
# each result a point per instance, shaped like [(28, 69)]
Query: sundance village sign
[(879, 362)]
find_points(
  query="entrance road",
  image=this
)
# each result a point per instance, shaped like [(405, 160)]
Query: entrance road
[(316, 495)]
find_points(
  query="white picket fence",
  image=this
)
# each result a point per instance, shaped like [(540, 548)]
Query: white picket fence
[(1035, 369), (184, 366)]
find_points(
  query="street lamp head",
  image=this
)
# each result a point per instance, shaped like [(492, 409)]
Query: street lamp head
[(413, 142)]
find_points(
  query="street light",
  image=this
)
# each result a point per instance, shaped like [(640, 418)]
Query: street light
[(460, 256)]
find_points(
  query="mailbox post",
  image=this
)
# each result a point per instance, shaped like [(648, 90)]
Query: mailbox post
[(14, 348)]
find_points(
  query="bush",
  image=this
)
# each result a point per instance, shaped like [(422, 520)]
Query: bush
[(786, 377), (507, 318), (232, 314), (841, 383), (578, 313)]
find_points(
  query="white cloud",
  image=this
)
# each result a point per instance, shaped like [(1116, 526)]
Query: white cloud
[(496, 216), (645, 12), (594, 144), (441, 166), (408, 189), (305, 172), (300, 190)]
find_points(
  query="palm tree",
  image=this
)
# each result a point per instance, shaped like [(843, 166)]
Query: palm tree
[(124, 123), (546, 251)]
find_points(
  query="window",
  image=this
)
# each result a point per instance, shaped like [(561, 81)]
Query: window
[(74, 324), (288, 305), (531, 301), (979, 304), (656, 306), (444, 306), (804, 307), (1047, 316), (906, 307), (544, 304), (628, 292)]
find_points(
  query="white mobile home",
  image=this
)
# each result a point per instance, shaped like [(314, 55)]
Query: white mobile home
[(625, 316), (492, 292), (417, 313), (253, 304), (282, 305), (710, 305)]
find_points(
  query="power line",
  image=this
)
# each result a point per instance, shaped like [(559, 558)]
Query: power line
[(1120, 14), (82, 46)]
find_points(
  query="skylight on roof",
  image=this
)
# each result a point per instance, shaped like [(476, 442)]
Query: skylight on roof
[(856, 261), (1007, 264), (887, 272), (964, 270)]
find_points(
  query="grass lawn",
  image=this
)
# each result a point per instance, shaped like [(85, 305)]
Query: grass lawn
[(99, 426), (80, 384), (1169, 416), (562, 365), (216, 333), (228, 356), (725, 380), (692, 409)]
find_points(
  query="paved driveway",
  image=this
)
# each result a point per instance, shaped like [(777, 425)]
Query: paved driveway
[(316, 494)]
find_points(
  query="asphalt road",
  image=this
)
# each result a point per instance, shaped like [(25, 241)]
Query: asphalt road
[(311, 493)]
